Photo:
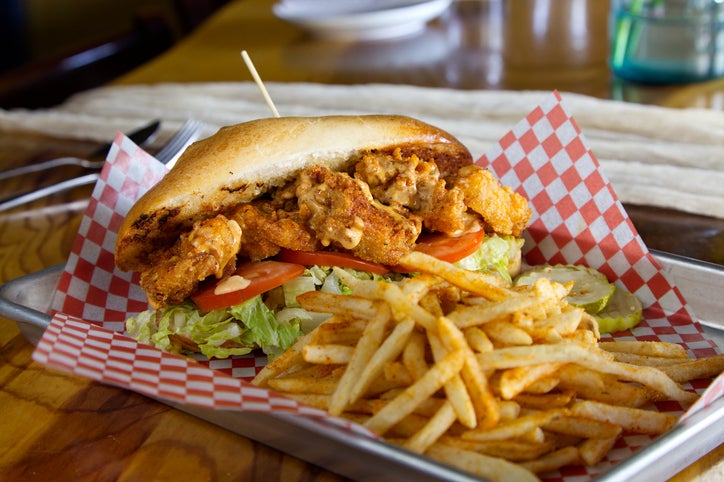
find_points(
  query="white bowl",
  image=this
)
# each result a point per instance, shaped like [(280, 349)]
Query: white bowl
[(360, 20)]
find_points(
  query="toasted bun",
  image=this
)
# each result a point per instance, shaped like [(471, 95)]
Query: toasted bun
[(243, 161)]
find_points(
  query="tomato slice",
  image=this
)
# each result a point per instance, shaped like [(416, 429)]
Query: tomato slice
[(264, 275), (330, 258), (449, 248)]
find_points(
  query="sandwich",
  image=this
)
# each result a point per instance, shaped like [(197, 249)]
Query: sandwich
[(260, 212)]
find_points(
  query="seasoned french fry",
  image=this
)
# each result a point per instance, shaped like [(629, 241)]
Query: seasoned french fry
[(563, 324), (502, 310), (583, 380), (583, 427), (693, 369), (365, 348), (323, 302), (431, 304), (291, 384), (286, 360), (584, 337), (543, 334), (485, 405), (413, 355), (417, 287), (433, 429), (382, 387), (553, 460), (401, 306), (397, 373), (515, 428), (490, 468), (626, 394), (457, 393), (533, 436), (645, 348), (509, 410), (593, 450), (603, 387), (576, 353), (315, 371), (513, 450), (478, 340), (515, 380), (589, 326), (422, 389), (412, 423), (545, 400), (506, 334), (486, 285), (388, 350), (327, 354), (631, 419), (312, 399), (408, 427), (652, 361), (543, 385), (346, 331)]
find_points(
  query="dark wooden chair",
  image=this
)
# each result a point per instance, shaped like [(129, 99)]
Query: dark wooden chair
[(48, 83), (191, 13)]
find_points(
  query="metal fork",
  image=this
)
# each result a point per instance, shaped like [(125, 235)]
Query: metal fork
[(173, 149), (95, 159), (168, 155)]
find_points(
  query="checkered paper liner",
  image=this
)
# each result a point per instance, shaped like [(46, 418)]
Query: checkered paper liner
[(577, 219)]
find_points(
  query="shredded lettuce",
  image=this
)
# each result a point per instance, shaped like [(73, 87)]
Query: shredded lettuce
[(295, 287), (308, 320), (248, 324), (254, 323), (143, 326), (264, 329), (493, 255)]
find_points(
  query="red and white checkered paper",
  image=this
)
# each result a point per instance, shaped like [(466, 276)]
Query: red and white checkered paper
[(577, 219)]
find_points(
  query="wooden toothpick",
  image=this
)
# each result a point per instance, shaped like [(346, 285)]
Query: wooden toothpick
[(257, 79)]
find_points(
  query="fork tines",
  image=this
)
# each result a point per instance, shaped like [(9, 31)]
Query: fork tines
[(187, 134)]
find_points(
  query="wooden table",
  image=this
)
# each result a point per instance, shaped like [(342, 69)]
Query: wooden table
[(60, 427)]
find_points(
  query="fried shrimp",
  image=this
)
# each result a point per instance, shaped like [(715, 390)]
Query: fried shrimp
[(343, 213), (505, 211), (416, 185), (267, 228), (209, 249)]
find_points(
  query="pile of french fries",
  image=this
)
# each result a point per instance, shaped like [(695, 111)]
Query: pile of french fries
[(503, 382)]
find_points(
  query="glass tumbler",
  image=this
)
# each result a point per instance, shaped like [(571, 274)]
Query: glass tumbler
[(667, 41)]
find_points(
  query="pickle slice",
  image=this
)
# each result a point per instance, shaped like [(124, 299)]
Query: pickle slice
[(591, 289), (622, 312)]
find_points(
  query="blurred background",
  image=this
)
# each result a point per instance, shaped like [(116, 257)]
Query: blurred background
[(50, 48), (37, 30)]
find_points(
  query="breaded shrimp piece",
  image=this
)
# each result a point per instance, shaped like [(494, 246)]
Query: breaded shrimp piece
[(208, 249), (266, 228), (414, 184), (505, 211), (342, 213)]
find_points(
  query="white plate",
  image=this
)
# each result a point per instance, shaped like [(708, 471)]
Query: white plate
[(360, 20)]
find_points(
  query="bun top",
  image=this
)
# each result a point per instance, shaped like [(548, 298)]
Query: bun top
[(241, 162)]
